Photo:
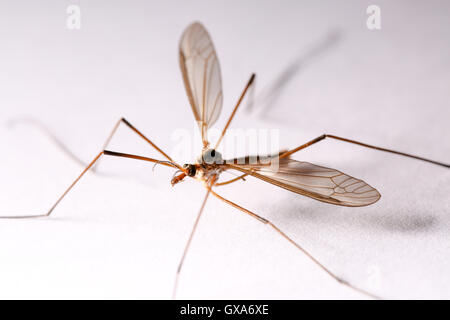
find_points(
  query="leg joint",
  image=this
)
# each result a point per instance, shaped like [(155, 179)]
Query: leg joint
[(125, 121)]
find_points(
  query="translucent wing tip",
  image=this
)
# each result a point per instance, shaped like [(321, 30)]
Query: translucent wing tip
[(353, 192)]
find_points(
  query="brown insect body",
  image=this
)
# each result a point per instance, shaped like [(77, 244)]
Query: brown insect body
[(206, 169)]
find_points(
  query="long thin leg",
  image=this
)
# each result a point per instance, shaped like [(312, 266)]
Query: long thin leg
[(324, 136), (128, 124), (249, 83), (180, 265), (267, 222), (106, 153)]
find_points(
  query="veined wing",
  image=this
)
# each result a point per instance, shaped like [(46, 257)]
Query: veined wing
[(320, 183), (201, 76)]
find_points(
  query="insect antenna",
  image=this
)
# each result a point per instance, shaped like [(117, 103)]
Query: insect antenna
[(166, 162)]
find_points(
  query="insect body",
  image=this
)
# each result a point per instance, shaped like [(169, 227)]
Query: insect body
[(206, 168)]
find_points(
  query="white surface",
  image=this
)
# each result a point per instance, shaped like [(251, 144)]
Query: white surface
[(120, 233)]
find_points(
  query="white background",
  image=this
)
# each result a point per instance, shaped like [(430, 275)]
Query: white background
[(121, 232)]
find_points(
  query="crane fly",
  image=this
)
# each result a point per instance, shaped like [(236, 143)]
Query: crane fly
[(202, 79)]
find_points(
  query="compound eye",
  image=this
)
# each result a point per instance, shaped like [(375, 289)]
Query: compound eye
[(192, 170)]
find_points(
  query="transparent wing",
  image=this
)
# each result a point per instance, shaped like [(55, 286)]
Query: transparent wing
[(320, 183), (201, 76)]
